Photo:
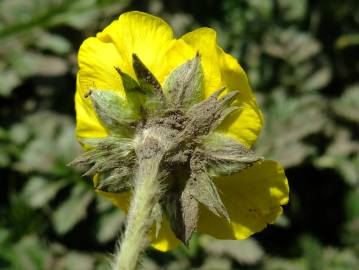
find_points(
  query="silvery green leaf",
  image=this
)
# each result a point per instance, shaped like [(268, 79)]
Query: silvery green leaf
[(109, 225), (73, 210), (246, 251), (38, 191), (113, 111), (184, 85), (54, 43), (216, 263), (347, 106)]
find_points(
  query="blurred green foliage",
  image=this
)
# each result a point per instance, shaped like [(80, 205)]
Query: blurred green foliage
[(302, 59)]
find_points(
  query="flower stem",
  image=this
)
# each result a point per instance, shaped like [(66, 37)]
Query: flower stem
[(145, 196)]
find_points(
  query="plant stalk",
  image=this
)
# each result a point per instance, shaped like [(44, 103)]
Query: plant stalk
[(139, 221)]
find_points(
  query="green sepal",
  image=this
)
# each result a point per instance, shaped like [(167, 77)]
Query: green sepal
[(144, 96), (135, 95), (206, 115), (109, 157), (204, 190), (225, 156), (146, 79), (172, 208), (190, 213), (116, 181), (114, 112), (184, 86), (181, 210), (157, 215)]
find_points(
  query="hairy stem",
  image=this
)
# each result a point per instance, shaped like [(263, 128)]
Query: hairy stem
[(146, 194)]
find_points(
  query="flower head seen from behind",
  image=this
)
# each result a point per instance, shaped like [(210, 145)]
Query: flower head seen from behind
[(136, 80)]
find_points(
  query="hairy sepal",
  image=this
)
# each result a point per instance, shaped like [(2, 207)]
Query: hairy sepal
[(147, 80), (114, 112), (204, 190), (117, 181), (111, 159), (135, 95), (157, 216), (184, 86), (205, 116), (226, 156), (181, 209), (145, 96)]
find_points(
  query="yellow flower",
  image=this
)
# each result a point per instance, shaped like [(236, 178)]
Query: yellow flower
[(252, 197)]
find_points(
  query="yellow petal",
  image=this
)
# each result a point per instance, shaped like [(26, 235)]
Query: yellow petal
[(204, 40), (178, 53), (143, 34), (121, 200), (253, 199), (87, 124), (97, 62), (244, 125)]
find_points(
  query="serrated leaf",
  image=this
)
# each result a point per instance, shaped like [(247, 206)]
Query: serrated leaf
[(55, 43), (246, 251), (293, 10), (72, 210), (86, 261), (9, 80), (48, 148), (318, 79), (109, 225), (34, 254), (286, 129), (38, 191), (216, 263), (347, 106), (184, 85)]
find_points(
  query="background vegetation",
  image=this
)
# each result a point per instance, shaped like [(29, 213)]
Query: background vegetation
[(302, 58)]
